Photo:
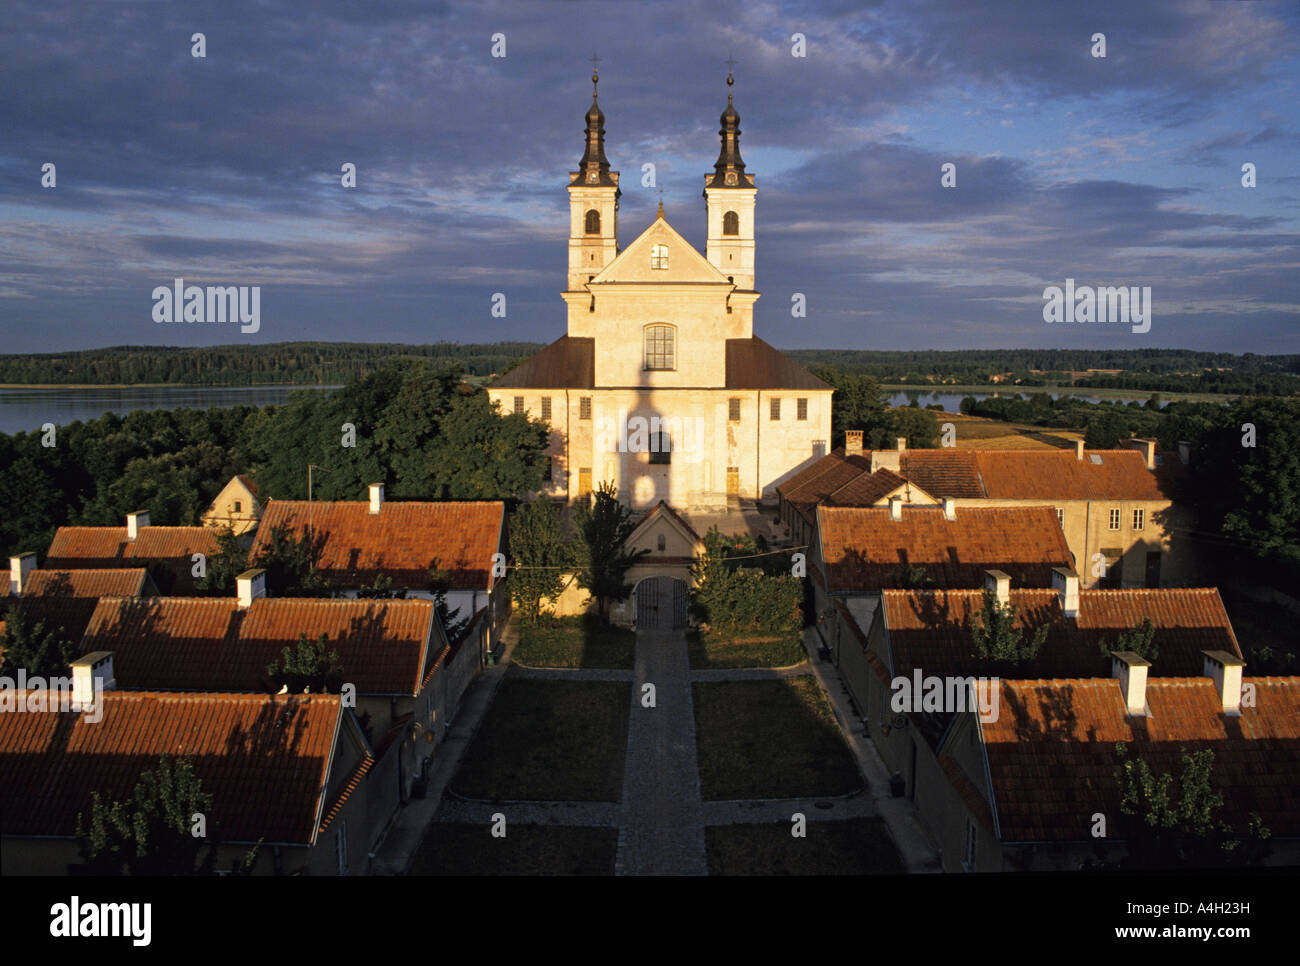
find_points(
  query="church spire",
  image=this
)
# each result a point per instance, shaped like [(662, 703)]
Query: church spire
[(593, 169), (729, 172)]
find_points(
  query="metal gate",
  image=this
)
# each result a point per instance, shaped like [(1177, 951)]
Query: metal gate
[(661, 604)]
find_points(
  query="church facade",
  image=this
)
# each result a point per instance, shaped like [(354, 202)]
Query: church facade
[(659, 385)]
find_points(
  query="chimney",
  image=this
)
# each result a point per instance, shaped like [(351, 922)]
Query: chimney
[(249, 586), (900, 443), (1000, 584), (1225, 669), (135, 522), (1184, 451), (93, 667), (376, 497), (949, 508), (19, 567), (1148, 448), (1078, 449), (886, 459), (1131, 670), (853, 442), (1066, 583), (895, 508)]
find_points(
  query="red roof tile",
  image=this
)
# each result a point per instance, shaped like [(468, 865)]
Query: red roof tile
[(929, 629), (166, 551), (66, 598), (263, 758), (864, 549), (1111, 474), (1052, 759), (401, 542), (211, 644)]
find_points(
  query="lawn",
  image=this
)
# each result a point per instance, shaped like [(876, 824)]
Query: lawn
[(574, 642), (770, 739), (854, 846), (715, 649), (455, 848), (549, 741)]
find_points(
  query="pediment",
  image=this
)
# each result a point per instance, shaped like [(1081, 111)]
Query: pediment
[(685, 264)]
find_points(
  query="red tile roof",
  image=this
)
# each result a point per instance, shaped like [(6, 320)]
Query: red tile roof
[(264, 759), (66, 598), (864, 549), (866, 489), (753, 364), (929, 629), (1113, 474), (988, 474), (167, 551), (211, 644), (567, 363), (248, 483), (401, 542), (1052, 759)]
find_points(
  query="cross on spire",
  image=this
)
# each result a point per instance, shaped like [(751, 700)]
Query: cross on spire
[(595, 76)]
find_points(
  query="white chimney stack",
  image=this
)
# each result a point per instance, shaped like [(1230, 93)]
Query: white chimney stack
[(249, 586), (376, 497), (1000, 583), (1148, 449), (1066, 583), (949, 508), (91, 674), (1225, 669), (1184, 452), (895, 508), (900, 442), (853, 442), (1131, 671), (19, 567), (135, 522), (1078, 449)]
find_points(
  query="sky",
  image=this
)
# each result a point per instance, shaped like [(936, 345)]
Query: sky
[(226, 169)]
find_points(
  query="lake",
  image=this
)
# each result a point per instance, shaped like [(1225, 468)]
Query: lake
[(26, 409)]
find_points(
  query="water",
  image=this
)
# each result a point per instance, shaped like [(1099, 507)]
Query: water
[(951, 402), (27, 409)]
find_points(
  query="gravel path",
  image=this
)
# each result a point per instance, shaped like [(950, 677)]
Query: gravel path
[(662, 827)]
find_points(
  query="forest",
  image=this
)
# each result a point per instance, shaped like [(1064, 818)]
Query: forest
[(335, 363), (415, 427)]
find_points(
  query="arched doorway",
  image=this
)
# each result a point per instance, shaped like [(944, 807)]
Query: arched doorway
[(660, 603)]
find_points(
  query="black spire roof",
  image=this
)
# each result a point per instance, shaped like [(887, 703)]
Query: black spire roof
[(593, 157), (729, 172)]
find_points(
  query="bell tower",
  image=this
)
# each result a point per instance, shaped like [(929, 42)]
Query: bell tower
[(729, 195), (593, 203)]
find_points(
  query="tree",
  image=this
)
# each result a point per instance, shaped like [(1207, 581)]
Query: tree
[(858, 403), (152, 832), (744, 599), (920, 427), (290, 565), (309, 668), (603, 561), (41, 648), (1170, 829), (1140, 639), (997, 641), (230, 560), (439, 584), (541, 549)]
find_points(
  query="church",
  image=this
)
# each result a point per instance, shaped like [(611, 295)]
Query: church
[(660, 386)]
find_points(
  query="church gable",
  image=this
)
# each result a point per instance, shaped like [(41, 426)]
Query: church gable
[(660, 245), (666, 536)]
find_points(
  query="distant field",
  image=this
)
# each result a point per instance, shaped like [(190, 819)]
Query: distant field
[(975, 432)]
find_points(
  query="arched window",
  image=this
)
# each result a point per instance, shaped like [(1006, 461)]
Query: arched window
[(593, 222), (658, 256), (731, 223), (661, 448), (659, 347)]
